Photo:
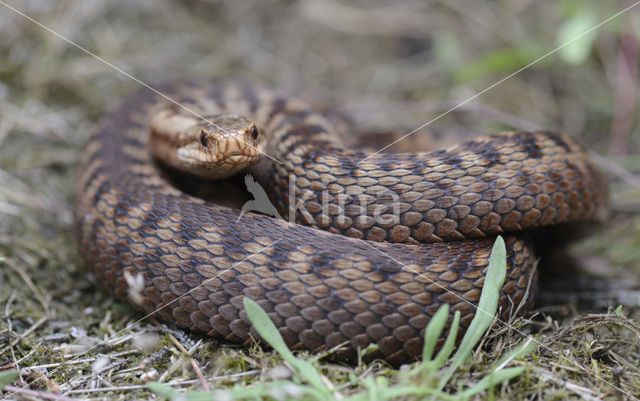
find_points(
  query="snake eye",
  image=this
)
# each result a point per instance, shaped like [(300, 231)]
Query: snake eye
[(204, 139), (254, 132)]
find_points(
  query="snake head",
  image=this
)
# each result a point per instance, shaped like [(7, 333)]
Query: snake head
[(214, 147)]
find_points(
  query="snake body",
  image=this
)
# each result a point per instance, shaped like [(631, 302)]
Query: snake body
[(405, 233)]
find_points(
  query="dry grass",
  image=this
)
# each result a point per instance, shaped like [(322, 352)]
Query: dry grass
[(387, 64)]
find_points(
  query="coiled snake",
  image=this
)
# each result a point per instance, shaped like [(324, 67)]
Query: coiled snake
[(436, 212)]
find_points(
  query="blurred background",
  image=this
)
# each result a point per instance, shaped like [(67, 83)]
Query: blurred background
[(385, 64)]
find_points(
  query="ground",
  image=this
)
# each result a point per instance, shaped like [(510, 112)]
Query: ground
[(386, 65)]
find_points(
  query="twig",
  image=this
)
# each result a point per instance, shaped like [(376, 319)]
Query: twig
[(194, 363), (33, 351), (626, 86), (378, 109), (25, 334), (37, 394), (79, 361), (583, 392), (615, 169), (25, 277), (144, 386), (626, 206)]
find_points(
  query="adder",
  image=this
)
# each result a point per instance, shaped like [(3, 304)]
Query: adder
[(375, 243)]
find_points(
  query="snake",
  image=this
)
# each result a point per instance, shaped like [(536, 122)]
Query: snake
[(371, 246)]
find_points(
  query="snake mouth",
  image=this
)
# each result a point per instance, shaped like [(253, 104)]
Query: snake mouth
[(238, 158)]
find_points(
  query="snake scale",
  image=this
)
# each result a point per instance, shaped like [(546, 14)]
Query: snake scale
[(401, 233)]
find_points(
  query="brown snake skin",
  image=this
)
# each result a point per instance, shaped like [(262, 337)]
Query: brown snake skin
[(319, 288)]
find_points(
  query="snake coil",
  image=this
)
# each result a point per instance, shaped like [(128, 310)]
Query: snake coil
[(385, 265)]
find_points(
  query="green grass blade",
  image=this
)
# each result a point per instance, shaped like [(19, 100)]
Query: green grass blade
[(402, 391), (525, 348), (571, 34), (433, 331), (498, 373), (201, 396), (499, 60), (492, 379), (268, 331), (450, 342), (487, 307), (7, 377), (277, 390), (265, 327), (163, 390)]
